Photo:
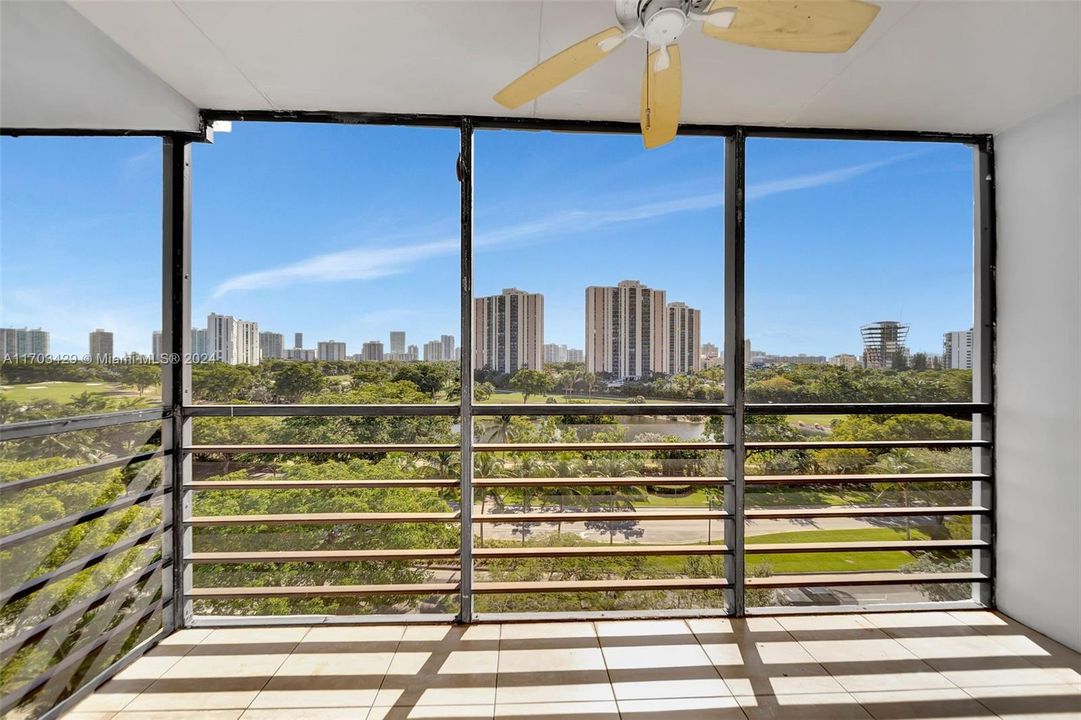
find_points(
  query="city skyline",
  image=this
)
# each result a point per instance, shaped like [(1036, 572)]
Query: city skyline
[(598, 210)]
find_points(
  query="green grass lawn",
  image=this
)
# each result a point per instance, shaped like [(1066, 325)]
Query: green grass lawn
[(61, 392), (833, 562), (823, 420)]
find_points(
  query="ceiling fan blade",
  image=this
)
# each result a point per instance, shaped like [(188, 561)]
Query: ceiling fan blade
[(560, 68), (817, 26), (662, 94)]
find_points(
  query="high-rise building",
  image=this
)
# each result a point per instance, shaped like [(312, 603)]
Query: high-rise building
[(626, 331), (298, 340), (397, 342), (155, 346), (684, 338), (412, 353), (300, 354), (508, 331), (555, 353), (332, 350), (957, 350), (433, 351), (20, 342), (272, 345), (884, 344), (232, 341), (101, 346), (198, 343), (845, 360), (372, 350), (576, 355), (448, 346)]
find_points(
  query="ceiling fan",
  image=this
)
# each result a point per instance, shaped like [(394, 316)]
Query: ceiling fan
[(817, 26)]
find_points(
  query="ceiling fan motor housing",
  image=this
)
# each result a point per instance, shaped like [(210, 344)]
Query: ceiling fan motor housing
[(660, 22)]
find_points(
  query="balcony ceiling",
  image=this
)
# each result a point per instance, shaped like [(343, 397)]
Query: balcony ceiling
[(954, 66)]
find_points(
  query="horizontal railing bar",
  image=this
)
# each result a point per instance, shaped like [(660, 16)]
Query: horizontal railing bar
[(598, 447), (863, 444), (865, 512), (868, 546), (618, 585), (13, 644), (862, 479), (573, 517), (599, 551), (55, 426), (240, 558), (871, 408), (311, 449), (397, 410), (78, 518), (75, 566), (321, 519), (590, 409), (599, 481), (74, 659), (80, 471), (858, 578), (324, 591), (317, 484)]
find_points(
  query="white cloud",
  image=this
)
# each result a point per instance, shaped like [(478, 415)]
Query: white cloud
[(372, 262)]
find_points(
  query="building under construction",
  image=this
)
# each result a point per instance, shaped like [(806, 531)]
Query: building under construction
[(884, 344)]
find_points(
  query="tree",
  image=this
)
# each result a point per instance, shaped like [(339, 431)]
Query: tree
[(221, 382), (531, 382), (428, 377), (141, 376), (296, 380)]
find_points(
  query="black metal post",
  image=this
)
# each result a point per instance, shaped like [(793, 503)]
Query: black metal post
[(176, 371), (734, 362), (465, 177)]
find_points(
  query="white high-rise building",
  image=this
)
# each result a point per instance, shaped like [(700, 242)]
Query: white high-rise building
[(20, 342), (433, 351), (372, 350), (198, 345), (397, 342), (508, 331), (412, 353), (447, 342), (957, 350), (232, 341), (626, 330), (684, 338), (332, 350), (272, 345)]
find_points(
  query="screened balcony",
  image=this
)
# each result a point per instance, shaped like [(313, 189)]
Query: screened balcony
[(744, 496)]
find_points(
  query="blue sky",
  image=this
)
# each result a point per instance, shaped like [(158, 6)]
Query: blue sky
[(348, 232)]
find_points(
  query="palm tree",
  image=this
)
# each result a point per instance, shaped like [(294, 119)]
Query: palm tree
[(899, 462)]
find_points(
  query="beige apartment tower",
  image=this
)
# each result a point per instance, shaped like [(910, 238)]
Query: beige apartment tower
[(626, 331), (684, 338), (508, 331)]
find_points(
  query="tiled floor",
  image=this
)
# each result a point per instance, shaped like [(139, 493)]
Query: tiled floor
[(966, 665)]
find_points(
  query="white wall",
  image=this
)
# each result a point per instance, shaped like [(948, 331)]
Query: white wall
[(1038, 433), (59, 71)]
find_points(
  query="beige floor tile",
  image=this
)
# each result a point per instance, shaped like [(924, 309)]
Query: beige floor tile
[(91, 715), (256, 636), (1031, 702), (190, 636), (547, 630), (723, 654), (887, 676), (758, 625), (824, 622), (710, 626), (667, 689), (944, 704), (562, 709), (470, 712), (888, 621), (426, 633), (445, 697), (350, 633), (641, 628), (829, 706), (991, 677), (192, 699), (148, 667), (707, 708), (224, 666), (307, 713), (968, 646), (178, 715), (551, 660), (978, 618), (113, 696), (476, 633), (327, 691), (776, 652), (652, 657), (412, 662), (301, 664), (470, 662), (869, 650), (563, 692)]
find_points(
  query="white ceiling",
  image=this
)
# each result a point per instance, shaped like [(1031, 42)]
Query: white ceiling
[(978, 66)]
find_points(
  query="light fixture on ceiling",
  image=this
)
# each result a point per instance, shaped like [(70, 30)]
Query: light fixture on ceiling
[(816, 26)]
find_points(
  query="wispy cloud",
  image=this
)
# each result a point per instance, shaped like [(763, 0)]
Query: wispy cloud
[(383, 259)]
